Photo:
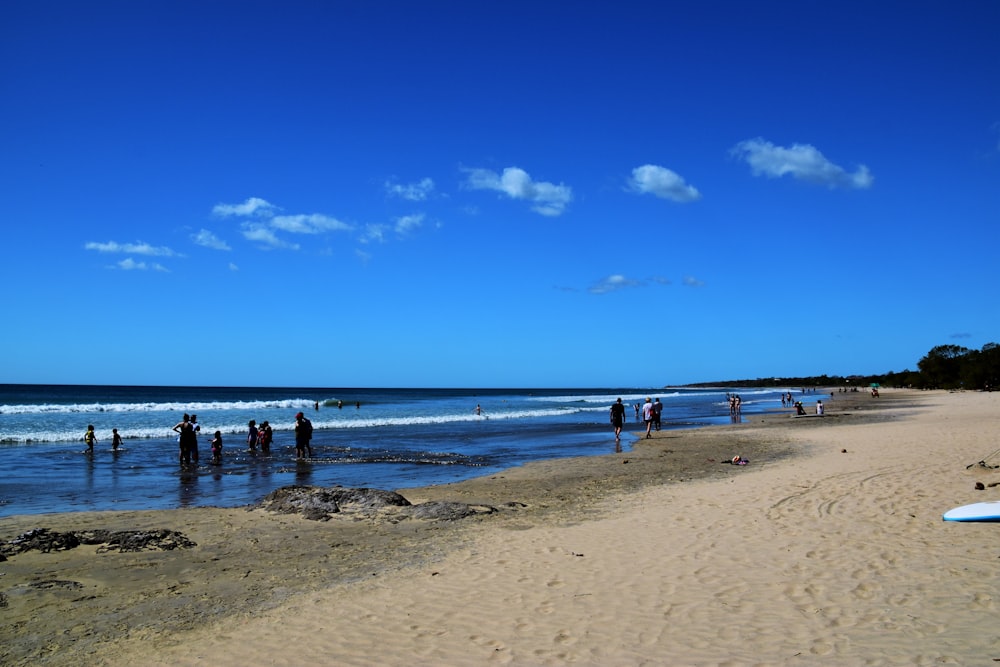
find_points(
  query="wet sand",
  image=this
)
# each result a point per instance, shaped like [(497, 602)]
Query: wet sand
[(664, 554)]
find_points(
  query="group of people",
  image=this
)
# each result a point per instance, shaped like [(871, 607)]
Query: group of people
[(90, 438), (187, 438), (258, 436), (262, 436), (651, 412)]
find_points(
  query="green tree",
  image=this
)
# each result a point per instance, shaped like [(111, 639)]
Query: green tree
[(942, 368)]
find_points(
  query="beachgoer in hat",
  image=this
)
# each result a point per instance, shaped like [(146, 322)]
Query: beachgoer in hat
[(647, 415)]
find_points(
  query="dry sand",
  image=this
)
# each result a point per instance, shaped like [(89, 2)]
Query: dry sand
[(828, 548)]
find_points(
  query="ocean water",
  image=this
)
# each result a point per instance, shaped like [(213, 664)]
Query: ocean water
[(381, 438)]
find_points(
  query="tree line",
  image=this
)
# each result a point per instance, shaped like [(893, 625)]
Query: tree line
[(944, 367)]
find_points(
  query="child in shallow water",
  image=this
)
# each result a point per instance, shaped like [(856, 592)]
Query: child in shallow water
[(217, 448)]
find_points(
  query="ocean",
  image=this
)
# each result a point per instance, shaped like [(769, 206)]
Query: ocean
[(379, 438)]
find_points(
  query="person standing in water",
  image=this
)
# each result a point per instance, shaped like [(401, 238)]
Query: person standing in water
[(195, 430), (303, 434), (253, 437), (185, 432), (217, 448), (90, 438), (116, 440), (264, 437)]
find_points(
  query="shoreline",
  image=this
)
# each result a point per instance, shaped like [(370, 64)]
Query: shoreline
[(250, 563), (414, 438)]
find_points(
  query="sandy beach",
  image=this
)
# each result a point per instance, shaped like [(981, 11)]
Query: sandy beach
[(827, 548)]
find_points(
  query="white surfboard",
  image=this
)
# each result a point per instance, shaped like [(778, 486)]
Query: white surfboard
[(986, 511)]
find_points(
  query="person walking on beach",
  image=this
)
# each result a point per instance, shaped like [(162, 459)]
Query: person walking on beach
[(116, 440), (90, 438), (618, 418), (657, 410), (647, 415), (303, 434)]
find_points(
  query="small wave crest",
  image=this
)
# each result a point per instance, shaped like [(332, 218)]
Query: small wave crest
[(237, 429), (171, 407)]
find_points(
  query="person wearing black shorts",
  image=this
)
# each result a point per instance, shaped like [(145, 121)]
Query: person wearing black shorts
[(618, 418)]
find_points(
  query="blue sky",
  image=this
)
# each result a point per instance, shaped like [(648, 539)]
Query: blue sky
[(514, 194)]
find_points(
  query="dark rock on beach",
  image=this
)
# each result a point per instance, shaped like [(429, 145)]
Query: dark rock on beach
[(447, 510), (122, 541), (56, 583), (320, 504)]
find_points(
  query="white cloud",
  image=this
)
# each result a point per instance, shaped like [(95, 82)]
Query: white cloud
[(613, 283), (138, 248), (802, 161), (254, 206), (207, 239), (662, 182), (233, 267), (313, 223), (691, 281), (129, 264), (374, 233), (263, 235), (547, 198), (263, 223), (411, 191), (408, 223)]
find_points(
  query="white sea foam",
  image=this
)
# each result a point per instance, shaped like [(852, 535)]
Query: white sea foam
[(176, 407)]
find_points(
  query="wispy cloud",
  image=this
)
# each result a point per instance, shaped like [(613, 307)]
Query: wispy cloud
[(207, 239), (617, 281), (261, 222), (691, 281), (411, 191), (409, 223), (374, 233), (801, 161), (138, 248), (129, 264), (613, 283), (662, 182), (546, 198), (313, 223), (265, 236), (254, 206)]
